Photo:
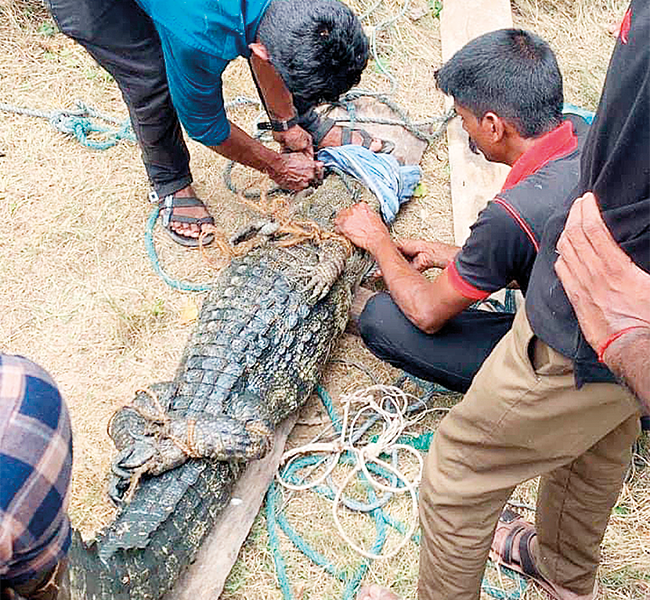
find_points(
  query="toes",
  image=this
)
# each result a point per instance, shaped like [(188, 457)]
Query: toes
[(375, 145), (186, 229)]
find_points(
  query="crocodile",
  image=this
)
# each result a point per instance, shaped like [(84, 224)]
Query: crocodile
[(262, 339)]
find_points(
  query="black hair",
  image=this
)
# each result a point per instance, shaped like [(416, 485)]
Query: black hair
[(510, 72), (318, 47)]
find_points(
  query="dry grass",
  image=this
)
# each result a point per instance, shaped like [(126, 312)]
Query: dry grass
[(80, 298)]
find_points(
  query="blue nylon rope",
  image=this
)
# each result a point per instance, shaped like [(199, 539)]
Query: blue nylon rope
[(77, 122), (155, 263), (275, 517)]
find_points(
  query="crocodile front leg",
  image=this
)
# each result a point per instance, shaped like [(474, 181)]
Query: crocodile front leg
[(333, 256)]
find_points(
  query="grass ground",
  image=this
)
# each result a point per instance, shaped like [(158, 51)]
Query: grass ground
[(80, 297)]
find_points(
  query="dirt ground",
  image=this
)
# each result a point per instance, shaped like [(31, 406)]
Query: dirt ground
[(80, 296)]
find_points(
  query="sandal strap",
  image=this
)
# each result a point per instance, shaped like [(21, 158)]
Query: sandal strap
[(169, 203), (321, 129), (526, 555), (510, 542), (346, 136), (185, 219), (525, 537), (508, 515), (172, 202)]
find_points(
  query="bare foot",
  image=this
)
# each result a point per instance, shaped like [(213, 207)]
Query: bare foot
[(375, 592), (188, 229), (334, 138)]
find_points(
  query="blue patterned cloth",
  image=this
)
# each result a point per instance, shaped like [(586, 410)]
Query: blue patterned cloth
[(35, 468), (392, 183)]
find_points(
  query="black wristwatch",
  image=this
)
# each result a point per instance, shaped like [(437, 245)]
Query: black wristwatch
[(279, 125)]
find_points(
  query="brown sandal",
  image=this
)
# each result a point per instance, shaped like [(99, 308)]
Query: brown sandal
[(325, 124), (522, 533)]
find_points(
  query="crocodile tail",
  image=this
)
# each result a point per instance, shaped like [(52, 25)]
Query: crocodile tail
[(90, 579)]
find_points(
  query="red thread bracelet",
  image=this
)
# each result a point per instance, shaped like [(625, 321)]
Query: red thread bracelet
[(612, 338)]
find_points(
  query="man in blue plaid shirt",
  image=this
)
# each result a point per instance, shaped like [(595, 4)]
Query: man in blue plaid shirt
[(35, 468)]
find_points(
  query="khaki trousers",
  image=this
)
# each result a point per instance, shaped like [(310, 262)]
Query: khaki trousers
[(523, 417)]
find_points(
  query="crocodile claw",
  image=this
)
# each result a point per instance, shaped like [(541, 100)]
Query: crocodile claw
[(127, 464), (137, 456), (326, 272)]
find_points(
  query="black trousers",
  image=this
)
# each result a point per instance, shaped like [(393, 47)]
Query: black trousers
[(124, 41), (450, 357), (122, 38)]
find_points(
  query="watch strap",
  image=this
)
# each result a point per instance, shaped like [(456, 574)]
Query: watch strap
[(274, 125)]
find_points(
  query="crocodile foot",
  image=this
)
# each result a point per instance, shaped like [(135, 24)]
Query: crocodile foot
[(182, 438), (323, 275), (126, 467)]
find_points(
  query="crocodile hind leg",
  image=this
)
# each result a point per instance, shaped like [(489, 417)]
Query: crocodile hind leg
[(146, 414), (202, 436)]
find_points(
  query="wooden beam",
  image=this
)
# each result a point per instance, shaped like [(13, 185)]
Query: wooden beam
[(474, 181), (205, 578)]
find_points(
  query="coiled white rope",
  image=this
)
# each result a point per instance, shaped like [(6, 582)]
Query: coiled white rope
[(389, 405)]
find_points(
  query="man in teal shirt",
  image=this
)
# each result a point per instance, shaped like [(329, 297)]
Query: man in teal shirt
[(168, 57)]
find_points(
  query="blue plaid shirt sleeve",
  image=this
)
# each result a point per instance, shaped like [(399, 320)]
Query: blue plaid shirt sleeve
[(35, 469)]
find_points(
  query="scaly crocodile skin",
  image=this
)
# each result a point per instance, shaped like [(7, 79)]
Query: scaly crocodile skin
[(259, 347)]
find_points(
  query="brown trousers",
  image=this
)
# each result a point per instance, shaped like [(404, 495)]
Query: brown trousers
[(523, 417)]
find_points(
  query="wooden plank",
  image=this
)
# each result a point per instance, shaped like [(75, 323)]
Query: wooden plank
[(474, 181), (205, 578), (408, 149)]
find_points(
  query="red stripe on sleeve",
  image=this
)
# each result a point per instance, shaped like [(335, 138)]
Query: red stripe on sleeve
[(461, 286), (624, 30)]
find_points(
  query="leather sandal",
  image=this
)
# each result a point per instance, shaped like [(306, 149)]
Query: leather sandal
[(522, 533), (325, 124), (346, 138), (167, 207)]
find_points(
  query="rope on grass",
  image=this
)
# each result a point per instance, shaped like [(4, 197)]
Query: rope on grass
[(373, 38), (80, 123), (184, 286), (390, 405), (382, 520)]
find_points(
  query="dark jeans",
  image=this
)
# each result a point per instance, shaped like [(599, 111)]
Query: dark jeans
[(124, 41), (450, 357)]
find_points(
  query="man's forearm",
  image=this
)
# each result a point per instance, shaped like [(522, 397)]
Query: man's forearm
[(291, 171), (247, 151), (424, 254), (277, 98), (628, 357), (410, 290), (428, 304), (444, 253)]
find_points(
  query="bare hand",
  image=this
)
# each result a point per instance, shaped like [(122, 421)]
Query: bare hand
[(297, 172), (362, 226), (424, 255), (607, 290), (295, 139)]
